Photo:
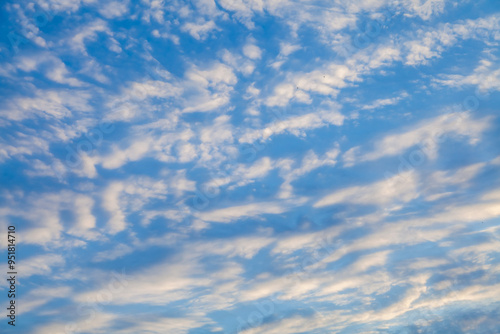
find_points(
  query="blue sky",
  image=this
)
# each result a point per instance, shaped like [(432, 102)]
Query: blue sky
[(251, 166)]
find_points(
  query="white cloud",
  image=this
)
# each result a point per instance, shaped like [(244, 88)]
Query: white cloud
[(98, 324), (64, 5), (487, 209), (166, 324), (85, 220), (156, 10), (308, 241), (238, 63), (245, 247), (377, 259), (45, 224), (217, 74), (114, 9), (122, 197), (326, 81), (119, 251), (480, 293), (294, 324), (135, 100), (252, 51), (424, 8), (287, 49), (486, 76), (136, 151), (375, 56), (385, 102), (243, 10), (41, 296), (399, 188), (111, 202), (41, 264), (309, 163), (427, 263), (24, 145), (432, 42), (87, 33), (180, 276), (233, 213), (242, 174), (52, 66), (428, 134), (478, 253), (437, 182), (200, 30), (211, 87), (47, 104), (161, 120), (172, 140), (297, 125)]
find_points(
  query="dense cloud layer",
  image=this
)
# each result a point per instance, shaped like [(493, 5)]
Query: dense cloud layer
[(252, 166)]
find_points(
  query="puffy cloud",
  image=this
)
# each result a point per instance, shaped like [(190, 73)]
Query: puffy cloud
[(296, 125), (252, 51), (427, 134), (129, 104), (88, 33), (309, 163), (45, 223), (380, 103), (287, 49), (47, 104), (380, 193), (114, 9), (432, 42), (99, 324), (232, 214), (424, 8), (242, 175), (212, 86), (486, 76), (41, 296), (41, 264), (200, 30), (119, 197), (186, 107)]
